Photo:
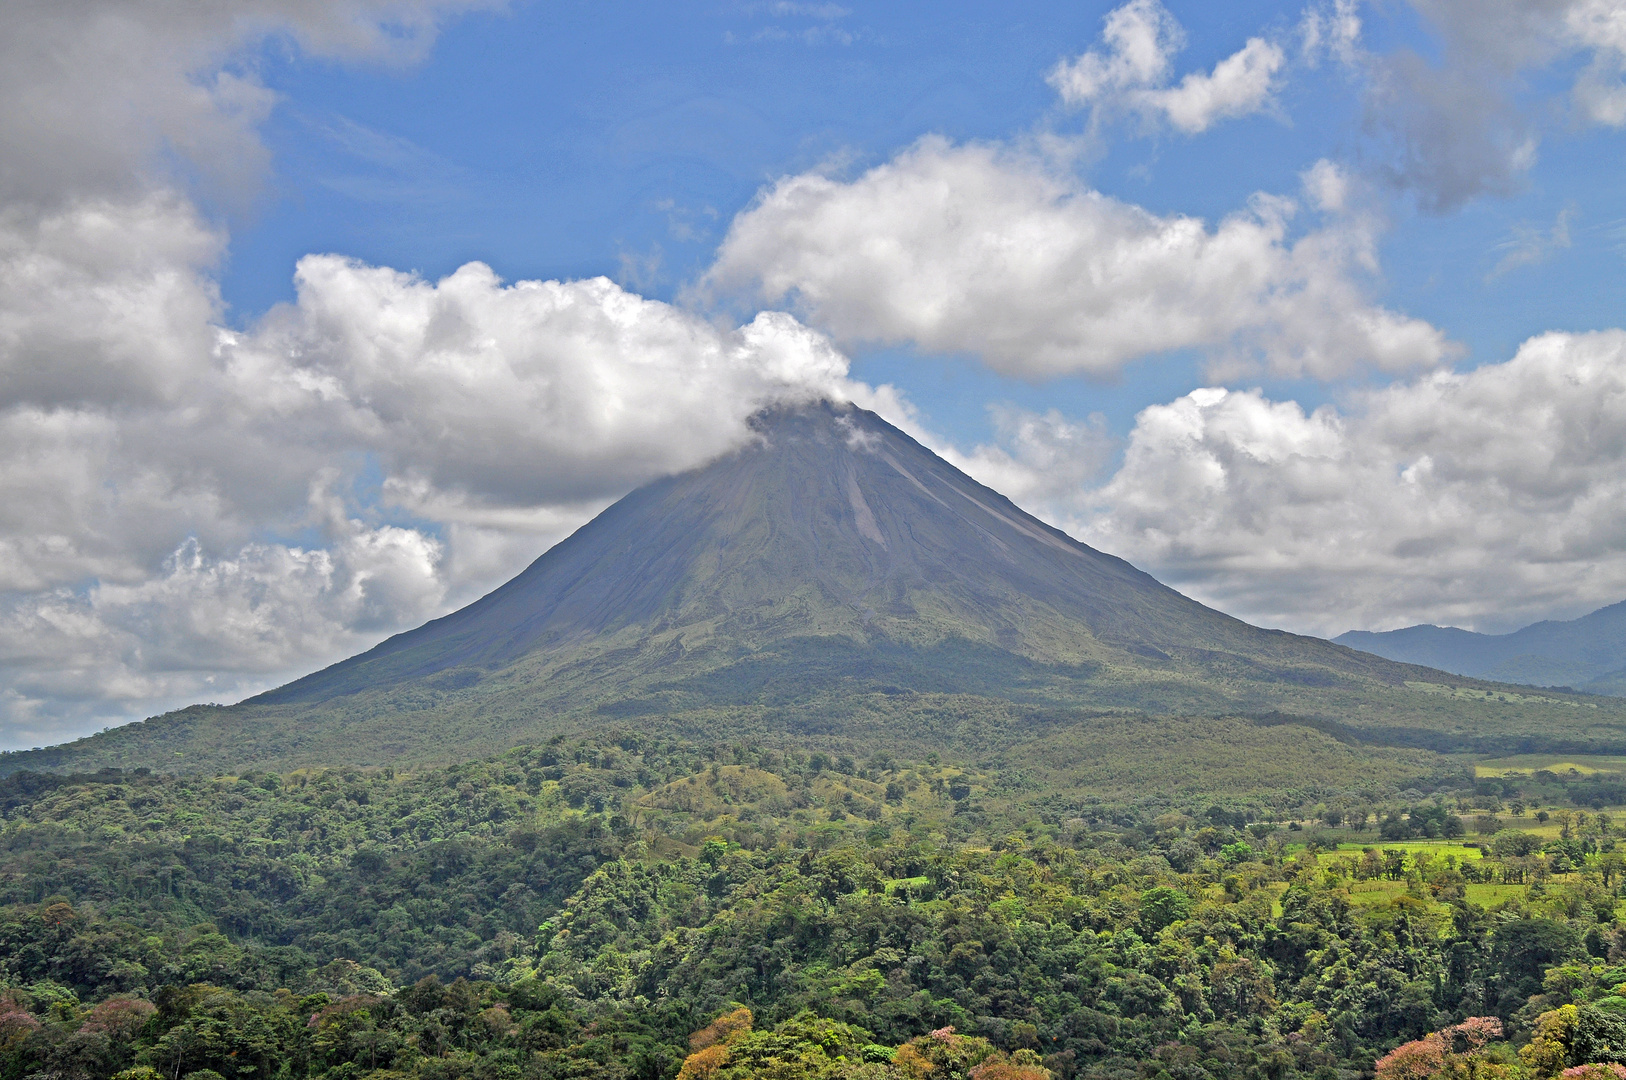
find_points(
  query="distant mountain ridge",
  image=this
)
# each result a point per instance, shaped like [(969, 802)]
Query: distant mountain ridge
[(1588, 653), (835, 580)]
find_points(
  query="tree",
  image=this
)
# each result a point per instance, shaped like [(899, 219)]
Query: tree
[(1394, 863), (1163, 906), (1452, 1051)]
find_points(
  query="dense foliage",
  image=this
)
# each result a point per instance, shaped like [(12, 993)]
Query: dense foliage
[(583, 909)]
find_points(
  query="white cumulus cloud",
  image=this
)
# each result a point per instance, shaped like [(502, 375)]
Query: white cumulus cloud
[(976, 248), (1599, 28), (1038, 460), (207, 627), (1484, 499), (1132, 74), (499, 417), (524, 394)]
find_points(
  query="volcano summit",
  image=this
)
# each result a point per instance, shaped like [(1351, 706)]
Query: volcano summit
[(834, 579)]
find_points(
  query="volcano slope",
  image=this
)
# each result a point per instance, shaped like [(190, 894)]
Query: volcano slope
[(835, 581)]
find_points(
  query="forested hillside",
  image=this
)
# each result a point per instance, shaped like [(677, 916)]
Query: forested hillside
[(583, 908)]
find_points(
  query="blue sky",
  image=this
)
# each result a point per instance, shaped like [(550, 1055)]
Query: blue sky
[(568, 141), (1312, 309)]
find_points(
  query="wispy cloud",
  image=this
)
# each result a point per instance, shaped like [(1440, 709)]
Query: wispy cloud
[(1616, 232), (388, 168), (685, 223), (824, 15), (1330, 29), (1529, 245), (785, 9), (811, 35)]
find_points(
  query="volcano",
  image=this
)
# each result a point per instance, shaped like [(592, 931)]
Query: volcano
[(834, 578), (833, 548)]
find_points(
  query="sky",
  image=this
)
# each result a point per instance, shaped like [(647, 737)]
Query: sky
[(321, 318)]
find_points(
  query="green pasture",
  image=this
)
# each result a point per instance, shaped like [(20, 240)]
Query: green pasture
[(1412, 848), (1376, 893), (1561, 764), (1491, 895), (1547, 830)]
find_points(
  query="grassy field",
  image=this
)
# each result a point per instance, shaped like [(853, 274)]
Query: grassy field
[(1488, 895), (1377, 892), (1410, 847), (1381, 892), (1584, 764), (1547, 830), (1415, 847)]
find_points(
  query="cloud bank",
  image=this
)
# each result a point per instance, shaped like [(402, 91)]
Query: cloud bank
[(1484, 499)]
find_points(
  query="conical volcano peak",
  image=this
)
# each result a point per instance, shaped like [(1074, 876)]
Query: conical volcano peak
[(825, 422), (831, 529), (820, 432)]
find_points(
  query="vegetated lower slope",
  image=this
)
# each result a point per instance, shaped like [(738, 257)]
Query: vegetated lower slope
[(577, 910), (1588, 653), (833, 580)]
